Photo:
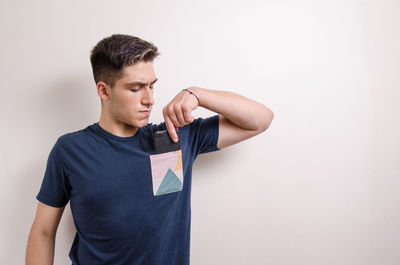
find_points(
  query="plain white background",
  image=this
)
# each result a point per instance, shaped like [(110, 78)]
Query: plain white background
[(320, 186)]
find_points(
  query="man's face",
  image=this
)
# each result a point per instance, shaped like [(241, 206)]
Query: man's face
[(132, 95)]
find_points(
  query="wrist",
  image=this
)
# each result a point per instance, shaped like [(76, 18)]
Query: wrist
[(198, 92)]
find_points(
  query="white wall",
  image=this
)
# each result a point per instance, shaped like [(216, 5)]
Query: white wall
[(320, 186)]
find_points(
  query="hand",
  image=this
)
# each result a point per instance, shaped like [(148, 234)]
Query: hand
[(177, 113)]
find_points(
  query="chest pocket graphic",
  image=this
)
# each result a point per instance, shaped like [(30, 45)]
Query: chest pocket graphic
[(166, 165), (167, 172)]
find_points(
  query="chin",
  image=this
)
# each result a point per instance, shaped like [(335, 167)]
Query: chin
[(142, 123)]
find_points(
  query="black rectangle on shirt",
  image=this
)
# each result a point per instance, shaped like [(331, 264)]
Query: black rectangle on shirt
[(163, 142)]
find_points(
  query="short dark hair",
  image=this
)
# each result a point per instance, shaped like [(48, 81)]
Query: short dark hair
[(113, 53)]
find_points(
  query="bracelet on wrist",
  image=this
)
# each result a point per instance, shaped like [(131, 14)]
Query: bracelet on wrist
[(192, 94)]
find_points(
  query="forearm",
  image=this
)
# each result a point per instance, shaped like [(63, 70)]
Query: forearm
[(240, 110), (40, 249)]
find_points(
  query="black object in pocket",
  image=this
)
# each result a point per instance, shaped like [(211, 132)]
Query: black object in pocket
[(163, 142), (166, 164)]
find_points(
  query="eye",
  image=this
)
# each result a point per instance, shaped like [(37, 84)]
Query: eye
[(134, 90)]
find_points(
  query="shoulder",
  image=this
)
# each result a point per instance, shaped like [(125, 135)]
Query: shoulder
[(71, 138), (205, 124)]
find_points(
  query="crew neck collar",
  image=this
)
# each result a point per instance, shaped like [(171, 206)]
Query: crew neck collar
[(99, 129)]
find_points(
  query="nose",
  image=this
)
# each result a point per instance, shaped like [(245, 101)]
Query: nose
[(147, 97)]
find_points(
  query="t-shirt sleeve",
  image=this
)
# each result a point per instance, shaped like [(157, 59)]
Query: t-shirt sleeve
[(203, 134), (54, 190)]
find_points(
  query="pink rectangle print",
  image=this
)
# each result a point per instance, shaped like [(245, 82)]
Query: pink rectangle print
[(160, 163)]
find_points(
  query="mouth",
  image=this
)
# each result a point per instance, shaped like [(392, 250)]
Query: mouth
[(145, 112)]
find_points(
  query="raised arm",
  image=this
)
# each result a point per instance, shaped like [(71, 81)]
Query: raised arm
[(240, 117)]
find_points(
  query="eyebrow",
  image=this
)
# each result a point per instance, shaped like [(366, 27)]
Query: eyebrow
[(139, 83)]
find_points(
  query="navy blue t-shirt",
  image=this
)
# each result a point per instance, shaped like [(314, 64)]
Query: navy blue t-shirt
[(111, 185)]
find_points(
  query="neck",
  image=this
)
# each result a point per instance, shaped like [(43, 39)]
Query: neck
[(118, 128)]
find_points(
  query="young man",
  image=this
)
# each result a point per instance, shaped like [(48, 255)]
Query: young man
[(130, 204)]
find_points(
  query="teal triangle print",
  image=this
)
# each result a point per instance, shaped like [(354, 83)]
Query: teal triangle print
[(170, 183)]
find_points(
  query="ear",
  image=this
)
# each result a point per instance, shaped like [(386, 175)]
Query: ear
[(104, 91)]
